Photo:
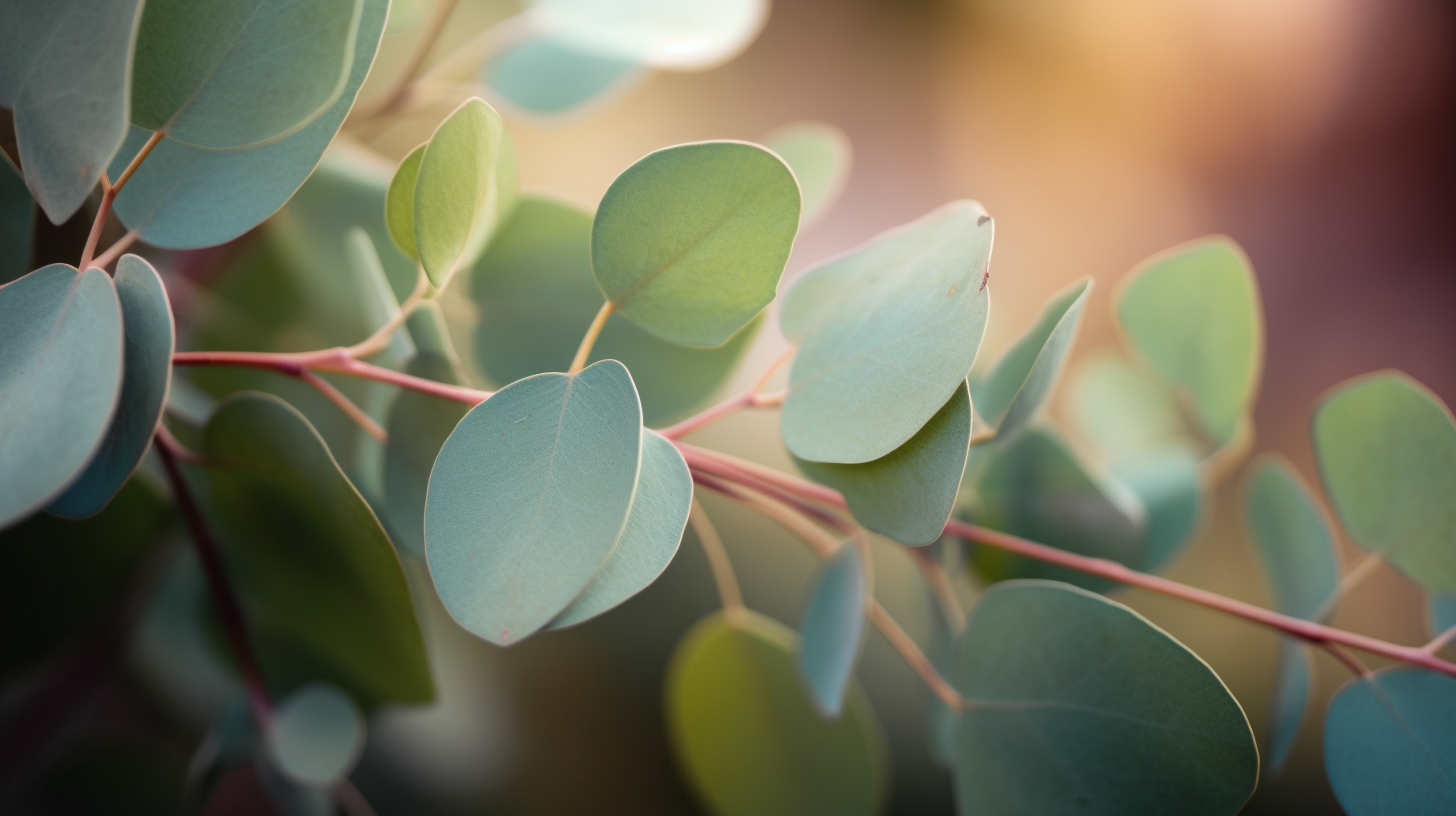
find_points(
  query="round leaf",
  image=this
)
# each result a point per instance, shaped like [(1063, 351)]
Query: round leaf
[(685, 35), (833, 630), (546, 75), (690, 241), (1292, 538), (1387, 455), (1076, 704), (1025, 376), (317, 735), (819, 154), (399, 202), (747, 736), (1122, 411), (1170, 487), (456, 198), (886, 334), (1390, 744), (147, 373), (529, 495), (60, 374)]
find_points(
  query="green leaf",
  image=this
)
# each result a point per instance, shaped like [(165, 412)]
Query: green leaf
[(529, 495), (227, 74), (649, 540), (1036, 488), (1024, 377), (1387, 455), (833, 630), (456, 199), (908, 494), (1077, 704), (1293, 683), (317, 735), (1193, 313), (1170, 487), (60, 373), (70, 110), (1440, 613), (819, 154), (1390, 744), (399, 202), (689, 36), (535, 294), (748, 738), (17, 221), (185, 197), (547, 76), (886, 334), (690, 241), (149, 339), (1292, 538), (324, 592), (1120, 410)]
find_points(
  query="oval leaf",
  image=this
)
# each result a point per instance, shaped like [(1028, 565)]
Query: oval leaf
[(1122, 411), (886, 334), (833, 630), (1194, 314), (529, 495), (690, 241), (548, 76), (1387, 456), (456, 199), (317, 735), (1390, 744), (1170, 487), (747, 736), (1292, 538), (909, 494), (1134, 722), (1025, 376), (686, 35), (819, 154), (147, 373), (60, 374), (1293, 683), (399, 203)]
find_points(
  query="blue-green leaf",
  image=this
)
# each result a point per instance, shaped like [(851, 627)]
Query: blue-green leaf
[(688, 35), (1076, 704), (908, 494), (1390, 744), (833, 630), (547, 76), (17, 221), (529, 495), (1293, 683), (146, 374), (60, 374), (1026, 374), (65, 71), (317, 735), (457, 201), (1292, 538), (1441, 613), (886, 334), (1121, 410), (819, 154), (1170, 487)]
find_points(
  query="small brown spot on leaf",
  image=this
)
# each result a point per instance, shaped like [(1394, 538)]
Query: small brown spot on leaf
[(951, 292)]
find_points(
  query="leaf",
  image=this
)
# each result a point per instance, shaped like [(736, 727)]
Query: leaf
[(529, 496), (227, 74), (317, 735), (399, 202), (186, 197), (17, 221), (1293, 682), (1292, 538), (1036, 488), (148, 341), (683, 36), (1120, 410), (60, 373), (325, 595), (1025, 376), (456, 200), (547, 76), (690, 241), (1441, 613), (1170, 488), (70, 111), (1077, 704), (908, 494), (886, 334), (1390, 744), (1387, 456), (1193, 313), (536, 294), (748, 738), (833, 630), (819, 154), (648, 541)]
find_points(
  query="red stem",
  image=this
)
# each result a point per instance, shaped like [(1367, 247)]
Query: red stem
[(335, 361)]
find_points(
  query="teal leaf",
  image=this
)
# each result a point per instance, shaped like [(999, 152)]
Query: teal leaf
[(399, 202), (1193, 313), (1024, 377), (1441, 613), (690, 241), (1387, 455), (317, 735), (1077, 704), (886, 334), (149, 339), (547, 76), (456, 198), (60, 374), (819, 154), (1293, 540), (65, 71), (1169, 486), (1036, 488), (1293, 684), (1121, 411), (17, 221), (1390, 744), (325, 595), (185, 197), (535, 294), (688, 36), (909, 493), (228, 74), (529, 495), (649, 541), (833, 630), (749, 740)]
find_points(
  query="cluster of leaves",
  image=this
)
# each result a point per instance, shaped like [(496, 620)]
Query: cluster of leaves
[(561, 495)]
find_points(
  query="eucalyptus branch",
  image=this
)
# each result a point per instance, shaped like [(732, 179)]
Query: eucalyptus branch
[(109, 192), (114, 251), (718, 562), (583, 351), (379, 340), (748, 399), (940, 587), (1439, 641), (345, 404), (332, 361)]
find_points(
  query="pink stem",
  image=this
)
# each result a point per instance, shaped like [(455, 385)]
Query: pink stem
[(335, 361)]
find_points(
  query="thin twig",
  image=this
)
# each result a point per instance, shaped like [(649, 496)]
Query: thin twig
[(345, 404), (114, 251), (330, 361), (983, 437), (109, 192), (914, 656), (1350, 661), (583, 351), (350, 800), (718, 562), (732, 405), (1439, 641), (176, 447), (940, 587), (379, 340), (768, 373), (136, 161)]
